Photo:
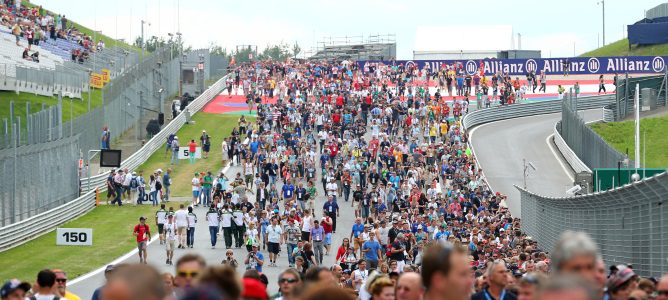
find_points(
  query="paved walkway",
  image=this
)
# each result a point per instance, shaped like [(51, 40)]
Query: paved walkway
[(157, 255)]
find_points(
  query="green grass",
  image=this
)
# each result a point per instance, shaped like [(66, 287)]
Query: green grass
[(621, 48), (218, 126), (71, 109), (621, 136), (112, 237)]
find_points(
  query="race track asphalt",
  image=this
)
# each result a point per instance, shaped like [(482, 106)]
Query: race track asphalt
[(501, 147)]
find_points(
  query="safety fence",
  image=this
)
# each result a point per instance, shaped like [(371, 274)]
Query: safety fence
[(20, 232), (35, 178), (629, 223), (584, 141)]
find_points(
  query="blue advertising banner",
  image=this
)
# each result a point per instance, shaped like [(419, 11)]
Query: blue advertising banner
[(551, 66)]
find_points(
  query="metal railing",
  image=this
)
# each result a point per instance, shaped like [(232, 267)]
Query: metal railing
[(571, 158), (629, 223), (28, 229)]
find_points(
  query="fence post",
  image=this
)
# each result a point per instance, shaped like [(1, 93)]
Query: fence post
[(60, 114), (15, 177), (29, 136)]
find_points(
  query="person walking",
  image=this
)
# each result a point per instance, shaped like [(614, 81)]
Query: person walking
[(143, 234), (292, 234), (167, 184), (160, 220), (192, 149), (226, 222), (181, 218), (206, 189), (170, 238), (317, 239), (601, 84), (213, 218), (175, 151), (274, 241), (190, 234), (332, 209), (195, 183), (543, 82)]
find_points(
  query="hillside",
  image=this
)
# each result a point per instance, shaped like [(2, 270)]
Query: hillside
[(621, 48)]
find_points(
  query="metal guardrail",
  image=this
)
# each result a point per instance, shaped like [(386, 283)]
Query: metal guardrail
[(571, 158), (500, 113), (31, 228)]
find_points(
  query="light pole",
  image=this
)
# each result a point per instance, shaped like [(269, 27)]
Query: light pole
[(143, 42), (178, 41), (602, 3), (200, 69)]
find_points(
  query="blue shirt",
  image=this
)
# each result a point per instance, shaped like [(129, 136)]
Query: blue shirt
[(357, 229), (254, 145), (317, 234), (331, 206), (373, 246), (252, 262), (288, 190)]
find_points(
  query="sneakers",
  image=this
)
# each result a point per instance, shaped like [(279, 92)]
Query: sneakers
[(167, 261)]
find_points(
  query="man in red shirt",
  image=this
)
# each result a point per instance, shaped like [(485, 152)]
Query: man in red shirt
[(339, 101), (192, 148), (336, 118), (143, 234), (327, 226), (333, 149)]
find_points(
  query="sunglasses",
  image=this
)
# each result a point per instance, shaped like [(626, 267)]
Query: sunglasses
[(61, 280), (187, 274), (287, 280), (662, 292)]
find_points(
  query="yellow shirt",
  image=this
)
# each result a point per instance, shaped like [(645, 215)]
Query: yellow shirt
[(71, 296)]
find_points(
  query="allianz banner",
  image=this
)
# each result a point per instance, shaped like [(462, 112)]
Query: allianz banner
[(551, 66)]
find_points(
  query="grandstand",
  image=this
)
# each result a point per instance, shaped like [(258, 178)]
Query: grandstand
[(374, 47), (56, 69)]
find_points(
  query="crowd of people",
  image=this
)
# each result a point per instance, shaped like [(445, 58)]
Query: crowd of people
[(377, 138), (37, 25)]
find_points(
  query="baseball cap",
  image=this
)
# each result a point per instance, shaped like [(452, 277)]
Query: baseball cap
[(254, 289), (623, 275), (13, 285), (142, 218)]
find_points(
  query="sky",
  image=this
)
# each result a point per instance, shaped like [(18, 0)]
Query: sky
[(558, 28)]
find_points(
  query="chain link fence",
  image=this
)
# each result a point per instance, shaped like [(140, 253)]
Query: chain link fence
[(38, 170), (584, 141), (630, 223)]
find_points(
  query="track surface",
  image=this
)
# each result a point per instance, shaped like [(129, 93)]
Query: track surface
[(501, 146)]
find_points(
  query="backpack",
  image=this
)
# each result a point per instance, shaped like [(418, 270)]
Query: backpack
[(158, 185), (134, 183)]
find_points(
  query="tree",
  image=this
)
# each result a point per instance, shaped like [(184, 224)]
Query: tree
[(151, 44)]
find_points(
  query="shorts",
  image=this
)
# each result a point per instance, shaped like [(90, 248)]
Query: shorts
[(141, 246), (169, 245), (181, 230), (195, 194), (272, 247), (161, 228), (328, 239)]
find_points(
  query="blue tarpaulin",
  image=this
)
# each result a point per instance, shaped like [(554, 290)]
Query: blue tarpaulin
[(649, 32)]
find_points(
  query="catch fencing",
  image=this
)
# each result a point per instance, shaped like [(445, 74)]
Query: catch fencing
[(629, 224), (584, 141)]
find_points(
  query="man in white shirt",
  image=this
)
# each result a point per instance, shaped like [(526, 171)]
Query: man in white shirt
[(46, 279), (274, 241), (360, 275), (195, 187), (226, 223), (181, 217), (332, 188), (213, 218), (170, 238)]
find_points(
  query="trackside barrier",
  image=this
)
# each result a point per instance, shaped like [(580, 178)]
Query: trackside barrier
[(629, 223), (568, 154), (31, 228)]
